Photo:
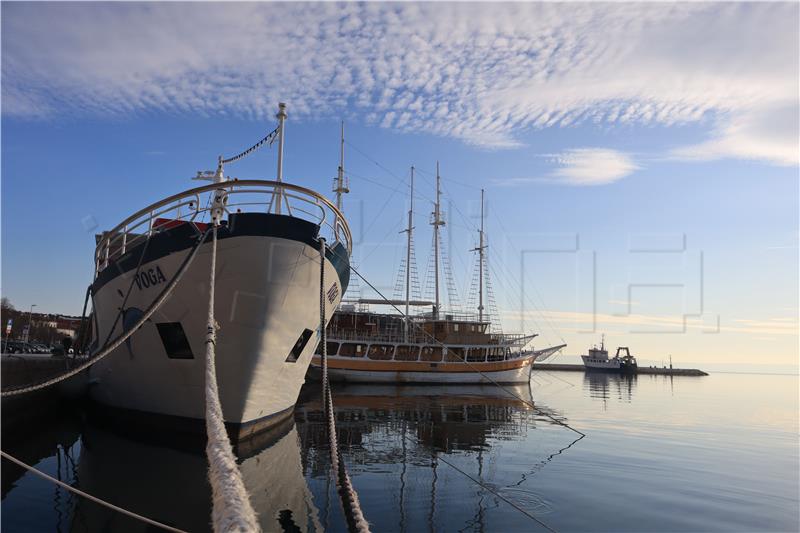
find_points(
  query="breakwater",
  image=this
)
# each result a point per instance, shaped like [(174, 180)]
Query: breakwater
[(642, 369)]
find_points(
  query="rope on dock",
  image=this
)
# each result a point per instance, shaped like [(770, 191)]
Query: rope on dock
[(231, 509), (347, 494), (89, 496), (123, 336)]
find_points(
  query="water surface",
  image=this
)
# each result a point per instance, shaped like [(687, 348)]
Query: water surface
[(717, 453)]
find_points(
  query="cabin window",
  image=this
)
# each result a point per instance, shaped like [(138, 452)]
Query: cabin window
[(431, 354), (406, 353), (455, 355), (174, 339), (455, 327), (381, 351), (476, 355), (299, 346), (350, 350), (333, 348)]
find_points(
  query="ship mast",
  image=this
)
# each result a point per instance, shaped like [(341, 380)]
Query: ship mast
[(341, 187), (480, 249), (281, 116), (409, 230), (436, 222)]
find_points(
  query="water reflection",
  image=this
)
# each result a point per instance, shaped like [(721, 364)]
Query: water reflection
[(605, 386), (416, 454), (169, 484), (410, 449)]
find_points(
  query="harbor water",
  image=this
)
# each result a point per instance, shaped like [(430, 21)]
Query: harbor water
[(660, 453)]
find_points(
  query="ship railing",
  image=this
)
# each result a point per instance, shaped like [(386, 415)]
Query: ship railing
[(195, 205)]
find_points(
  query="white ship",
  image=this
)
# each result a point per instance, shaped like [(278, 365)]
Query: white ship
[(267, 299), (598, 359)]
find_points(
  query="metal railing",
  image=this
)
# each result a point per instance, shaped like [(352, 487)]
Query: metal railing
[(241, 196)]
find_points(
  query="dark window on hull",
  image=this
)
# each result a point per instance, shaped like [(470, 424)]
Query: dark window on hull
[(174, 339), (302, 340)]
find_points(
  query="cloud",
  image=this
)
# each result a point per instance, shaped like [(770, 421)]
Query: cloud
[(770, 135), (592, 166), (581, 166), (481, 73)]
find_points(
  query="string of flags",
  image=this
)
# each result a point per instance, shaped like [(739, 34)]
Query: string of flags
[(270, 138)]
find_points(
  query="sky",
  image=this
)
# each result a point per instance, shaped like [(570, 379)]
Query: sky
[(640, 160)]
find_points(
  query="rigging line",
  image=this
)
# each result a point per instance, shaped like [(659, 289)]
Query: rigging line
[(123, 336), (357, 149), (535, 322), (89, 496), (121, 311), (269, 138), (451, 180), (417, 194), (497, 494), (383, 207), (464, 360), (509, 276), (535, 289)]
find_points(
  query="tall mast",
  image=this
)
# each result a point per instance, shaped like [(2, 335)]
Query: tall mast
[(281, 116), (437, 221), (409, 230), (341, 187), (480, 249)]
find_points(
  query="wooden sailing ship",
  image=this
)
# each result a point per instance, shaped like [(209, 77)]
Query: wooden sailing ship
[(428, 347)]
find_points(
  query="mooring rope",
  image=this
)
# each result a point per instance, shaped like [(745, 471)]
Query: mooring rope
[(231, 510), (123, 336), (347, 494), (89, 496)]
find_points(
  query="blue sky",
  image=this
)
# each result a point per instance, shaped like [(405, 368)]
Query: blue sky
[(640, 160)]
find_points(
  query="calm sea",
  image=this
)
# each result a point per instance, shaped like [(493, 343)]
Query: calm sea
[(717, 453)]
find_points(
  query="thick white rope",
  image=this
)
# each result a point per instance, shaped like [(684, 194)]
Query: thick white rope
[(347, 493), (231, 503), (124, 336), (89, 496)]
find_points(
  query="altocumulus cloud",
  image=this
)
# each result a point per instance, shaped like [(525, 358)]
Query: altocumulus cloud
[(482, 73)]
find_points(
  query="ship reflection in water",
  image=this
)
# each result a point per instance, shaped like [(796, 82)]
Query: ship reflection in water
[(607, 386), (168, 482), (408, 449)]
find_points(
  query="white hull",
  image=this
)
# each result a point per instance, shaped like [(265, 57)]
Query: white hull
[(610, 364), (267, 293), (350, 375)]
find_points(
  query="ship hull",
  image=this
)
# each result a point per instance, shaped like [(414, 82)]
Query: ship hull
[(339, 370), (266, 302)]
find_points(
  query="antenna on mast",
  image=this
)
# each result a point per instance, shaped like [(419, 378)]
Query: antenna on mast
[(341, 185)]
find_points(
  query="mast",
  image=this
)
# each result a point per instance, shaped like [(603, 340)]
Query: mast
[(480, 249), (437, 221), (409, 230), (281, 116), (341, 187)]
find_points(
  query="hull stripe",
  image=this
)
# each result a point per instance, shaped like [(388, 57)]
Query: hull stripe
[(410, 366)]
